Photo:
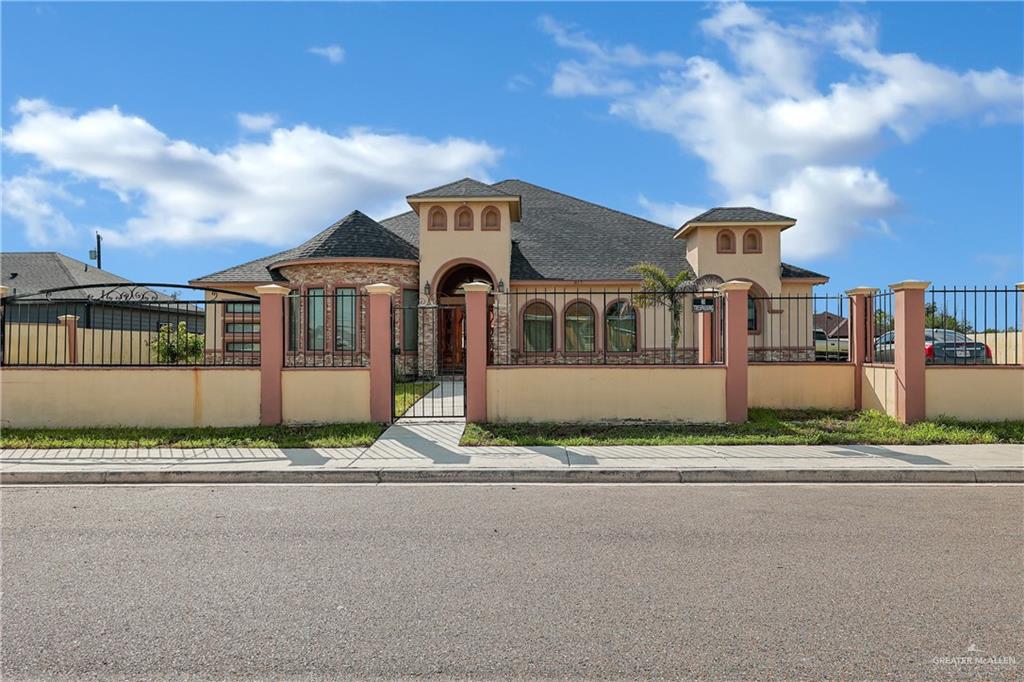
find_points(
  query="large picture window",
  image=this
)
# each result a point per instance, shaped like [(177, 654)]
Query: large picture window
[(344, 318), (620, 328), (538, 328), (579, 328), (410, 319), (314, 319)]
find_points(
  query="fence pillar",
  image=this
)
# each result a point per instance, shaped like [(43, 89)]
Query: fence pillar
[(908, 349), (736, 292), (476, 351), (271, 351), (858, 331), (1020, 336), (4, 292), (706, 331), (381, 399), (70, 323)]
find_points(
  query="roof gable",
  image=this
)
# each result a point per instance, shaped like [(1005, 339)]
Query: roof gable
[(355, 236), (465, 188)]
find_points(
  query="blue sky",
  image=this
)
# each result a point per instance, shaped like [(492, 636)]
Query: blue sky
[(197, 136)]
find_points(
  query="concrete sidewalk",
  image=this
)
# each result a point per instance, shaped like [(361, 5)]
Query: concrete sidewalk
[(413, 451)]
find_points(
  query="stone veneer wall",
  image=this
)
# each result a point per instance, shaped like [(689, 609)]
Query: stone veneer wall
[(330, 276)]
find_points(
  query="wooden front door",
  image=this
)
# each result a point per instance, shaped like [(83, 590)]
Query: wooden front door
[(452, 341)]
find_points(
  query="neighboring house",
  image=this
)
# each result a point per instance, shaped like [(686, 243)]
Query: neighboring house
[(518, 237), (834, 326), (100, 299)]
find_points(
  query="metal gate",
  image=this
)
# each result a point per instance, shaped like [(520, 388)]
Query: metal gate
[(428, 373)]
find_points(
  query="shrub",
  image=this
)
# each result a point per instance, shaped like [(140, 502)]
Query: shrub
[(176, 345)]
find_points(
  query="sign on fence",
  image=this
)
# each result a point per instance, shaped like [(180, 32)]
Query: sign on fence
[(703, 305)]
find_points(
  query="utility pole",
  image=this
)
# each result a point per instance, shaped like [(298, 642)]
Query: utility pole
[(97, 253)]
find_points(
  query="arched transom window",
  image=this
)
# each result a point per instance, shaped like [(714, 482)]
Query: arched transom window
[(620, 328), (438, 219), (752, 241), (491, 219), (464, 219), (538, 328), (726, 242), (579, 328)]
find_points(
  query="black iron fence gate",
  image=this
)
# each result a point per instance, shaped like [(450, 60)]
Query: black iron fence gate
[(428, 373)]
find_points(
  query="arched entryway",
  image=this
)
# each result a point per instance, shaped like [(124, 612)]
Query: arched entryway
[(451, 300)]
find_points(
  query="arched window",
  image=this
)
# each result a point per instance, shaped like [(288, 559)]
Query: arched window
[(579, 328), (491, 219), (620, 328), (538, 328), (751, 241), (464, 219), (756, 299), (726, 242), (438, 219)]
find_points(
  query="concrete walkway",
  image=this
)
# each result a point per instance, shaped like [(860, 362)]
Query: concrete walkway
[(415, 451)]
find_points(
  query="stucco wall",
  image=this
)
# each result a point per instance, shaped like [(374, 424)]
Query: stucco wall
[(974, 393), (568, 394), (827, 386), (878, 389), (763, 268), (63, 397), (438, 247), (325, 395)]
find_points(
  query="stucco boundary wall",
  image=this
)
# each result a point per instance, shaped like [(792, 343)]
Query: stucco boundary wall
[(330, 395), (65, 397), (801, 385), (978, 393), (577, 393)]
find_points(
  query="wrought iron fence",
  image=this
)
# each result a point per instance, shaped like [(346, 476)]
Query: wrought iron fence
[(607, 327), (798, 328), (880, 327), (130, 325), (973, 326), (326, 328)]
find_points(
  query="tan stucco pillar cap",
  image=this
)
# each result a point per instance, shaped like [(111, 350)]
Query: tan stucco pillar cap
[(862, 291), (272, 290), (469, 287), (67, 318), (381, 288), (735, 285), (910, 285), (6, 290), (1020, 285)]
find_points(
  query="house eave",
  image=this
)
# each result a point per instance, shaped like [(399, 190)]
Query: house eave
[(687, 228)]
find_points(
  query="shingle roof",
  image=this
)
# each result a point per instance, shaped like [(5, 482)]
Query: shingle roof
[(466, 187), (558, 237), (739, 214), (27, 272), (793, 272), (357, 235)]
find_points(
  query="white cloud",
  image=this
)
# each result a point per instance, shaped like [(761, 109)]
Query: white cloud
[(518, 82), (335, 54), (671, 214), (274, 191), (30, 200), (764, 128), (257, 123)]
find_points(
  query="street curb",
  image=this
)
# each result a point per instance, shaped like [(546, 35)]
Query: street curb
[(571, 475)]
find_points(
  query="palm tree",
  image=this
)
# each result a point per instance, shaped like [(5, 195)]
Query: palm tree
[(659, 288)]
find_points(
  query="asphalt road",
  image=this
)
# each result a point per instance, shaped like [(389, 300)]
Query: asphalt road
[(738, 582)]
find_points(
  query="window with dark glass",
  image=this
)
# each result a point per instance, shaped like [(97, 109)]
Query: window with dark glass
[(294, 315), (243, 308), (620, 328), (751, 315), (538, 328), (579, 328), (344, 319), (243, 347), (243, 328), (410, 319), (314, 319)]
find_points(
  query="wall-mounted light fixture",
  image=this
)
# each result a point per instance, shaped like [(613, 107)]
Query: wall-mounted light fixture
[(501, 286), (426, 288)]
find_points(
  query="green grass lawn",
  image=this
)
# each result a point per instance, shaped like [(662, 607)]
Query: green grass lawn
[(322, 436), (407, 393), (765, 427)]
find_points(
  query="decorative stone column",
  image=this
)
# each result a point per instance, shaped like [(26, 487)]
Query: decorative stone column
[(476, 350), (736, 292), (70, 323), (381, 343), (271, 351), (908, 347), (859, 325)]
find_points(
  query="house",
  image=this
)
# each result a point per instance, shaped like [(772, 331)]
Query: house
[(834, 326), (115, 318), (545, 255)]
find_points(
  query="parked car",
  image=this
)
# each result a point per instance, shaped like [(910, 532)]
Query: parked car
[(835, 348), (941, 347)]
